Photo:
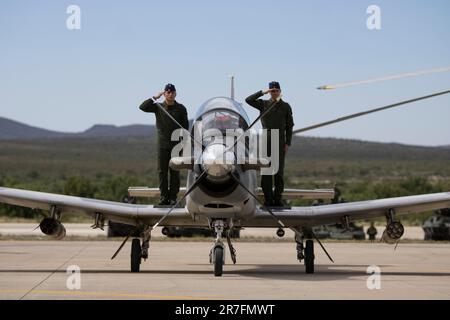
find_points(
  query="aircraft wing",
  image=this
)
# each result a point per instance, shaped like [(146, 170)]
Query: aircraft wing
[(133, 214), (146, 192), (336, 213), (295, 194), (288, 194)]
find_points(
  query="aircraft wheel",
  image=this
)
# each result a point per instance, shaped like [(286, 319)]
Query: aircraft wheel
[(218, 261), (309, 256), (135, 255)]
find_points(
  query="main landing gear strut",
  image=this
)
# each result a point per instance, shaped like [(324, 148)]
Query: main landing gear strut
[(305, 252), (139, 252)]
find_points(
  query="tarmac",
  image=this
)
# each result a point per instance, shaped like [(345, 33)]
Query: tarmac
[(32, 269)]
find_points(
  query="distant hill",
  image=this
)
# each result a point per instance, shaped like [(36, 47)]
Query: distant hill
[(10, 129), (101, 130), (303, 147), (334, 148), (13, 130)]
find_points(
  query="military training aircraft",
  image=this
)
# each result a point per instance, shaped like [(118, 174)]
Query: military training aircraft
[(223, 196)]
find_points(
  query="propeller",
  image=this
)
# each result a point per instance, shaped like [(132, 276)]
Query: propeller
[(359, 114), (280, 223)]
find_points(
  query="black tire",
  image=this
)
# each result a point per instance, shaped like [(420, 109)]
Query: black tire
[(135, 255), (309, 256), (218, 261)]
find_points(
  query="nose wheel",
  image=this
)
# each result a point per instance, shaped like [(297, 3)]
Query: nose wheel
[(218, 260), (217, 253)]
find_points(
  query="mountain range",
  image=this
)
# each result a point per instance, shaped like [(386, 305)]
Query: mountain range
[(14, 130)]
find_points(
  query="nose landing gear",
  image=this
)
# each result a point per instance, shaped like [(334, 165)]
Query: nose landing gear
[(217, 253), (230, 246)]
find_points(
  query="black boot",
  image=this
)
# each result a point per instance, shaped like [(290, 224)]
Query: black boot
[(164, 202), (278, 203), (268, 203)]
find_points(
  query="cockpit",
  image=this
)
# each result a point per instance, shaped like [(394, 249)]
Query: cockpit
[(222, 113), (216, 121)]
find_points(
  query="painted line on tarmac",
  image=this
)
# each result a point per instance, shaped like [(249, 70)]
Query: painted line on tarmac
[(93, 294)]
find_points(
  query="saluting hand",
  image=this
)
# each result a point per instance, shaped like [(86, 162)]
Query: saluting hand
[(267, 91), (158, 95)]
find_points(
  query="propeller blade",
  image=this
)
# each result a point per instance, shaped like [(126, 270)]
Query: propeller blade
[(262, 115), (322, 246), (177, 123), (252, 124), (194, 185), (280, 223), (359, 114), (120, 248)]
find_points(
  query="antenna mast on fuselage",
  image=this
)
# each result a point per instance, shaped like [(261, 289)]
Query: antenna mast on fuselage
[(232, 87)]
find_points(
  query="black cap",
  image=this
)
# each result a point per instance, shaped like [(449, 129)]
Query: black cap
[(170, 87), (274, 85)]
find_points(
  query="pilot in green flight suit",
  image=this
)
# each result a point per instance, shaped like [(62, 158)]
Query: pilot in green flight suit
[(165, 127), (279, 117)]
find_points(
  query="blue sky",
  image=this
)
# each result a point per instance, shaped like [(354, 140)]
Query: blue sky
[(68, 80)]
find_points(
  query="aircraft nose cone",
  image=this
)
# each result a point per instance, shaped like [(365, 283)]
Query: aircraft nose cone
[(217, 161)]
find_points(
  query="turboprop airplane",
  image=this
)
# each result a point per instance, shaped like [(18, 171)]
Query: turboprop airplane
[(224, 195)]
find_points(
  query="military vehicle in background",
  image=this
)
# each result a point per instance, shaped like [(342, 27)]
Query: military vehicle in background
[(339, 232), (437, 227)]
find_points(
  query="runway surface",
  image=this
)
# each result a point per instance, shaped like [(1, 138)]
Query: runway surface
[(181, 270)]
